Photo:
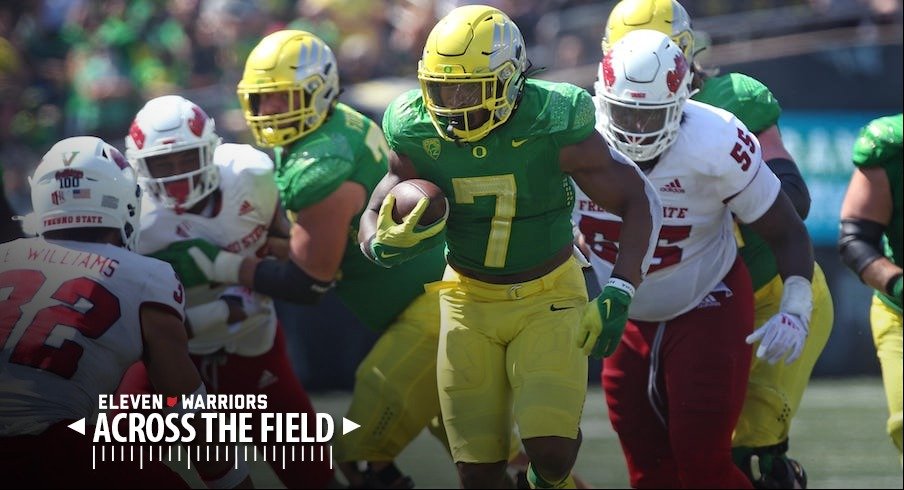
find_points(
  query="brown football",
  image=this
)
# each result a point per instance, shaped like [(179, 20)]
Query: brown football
[(407, 194)]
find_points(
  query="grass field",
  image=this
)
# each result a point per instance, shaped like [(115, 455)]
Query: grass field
[(839, 436)]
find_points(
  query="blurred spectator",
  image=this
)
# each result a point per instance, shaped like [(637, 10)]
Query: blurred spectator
[(85, 66)]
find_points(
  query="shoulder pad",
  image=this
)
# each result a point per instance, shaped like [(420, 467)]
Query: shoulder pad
[(879, 142), (307, 177), (745, 97)]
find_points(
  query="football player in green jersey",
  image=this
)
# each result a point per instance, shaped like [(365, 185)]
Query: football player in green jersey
[(516, 324), (775, 390), (328, 160), (872, 213)]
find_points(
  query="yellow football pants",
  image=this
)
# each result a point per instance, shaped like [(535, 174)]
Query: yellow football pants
[(395, 394), (509, 352), (887, 335), (774, 391)]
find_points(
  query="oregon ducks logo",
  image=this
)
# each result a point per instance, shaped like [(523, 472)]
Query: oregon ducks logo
[(479, 151), (432, 147)]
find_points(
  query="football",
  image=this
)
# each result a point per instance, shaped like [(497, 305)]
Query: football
[(407, 194)]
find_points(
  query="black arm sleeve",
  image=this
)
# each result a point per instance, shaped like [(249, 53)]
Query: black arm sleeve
[(286, 281), (859, 243), (792, 184)]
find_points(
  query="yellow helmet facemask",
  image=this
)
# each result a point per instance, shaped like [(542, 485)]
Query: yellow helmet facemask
[(300, 67), (471, 72), (665, 16)]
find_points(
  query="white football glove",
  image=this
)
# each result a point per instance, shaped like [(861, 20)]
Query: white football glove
[(782, 334), (786, 332), (222, 267)]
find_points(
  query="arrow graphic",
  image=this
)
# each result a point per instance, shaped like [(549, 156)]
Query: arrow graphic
[(347, 426), (78, 426)]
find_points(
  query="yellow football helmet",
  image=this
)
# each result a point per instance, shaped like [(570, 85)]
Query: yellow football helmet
[(300, 65), (666, 16), (472, 72)]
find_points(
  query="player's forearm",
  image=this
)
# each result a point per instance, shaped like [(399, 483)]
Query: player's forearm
[(878, 274), (787, 238), (792, 249), (246, 271), (284, 280), (794, 255), (367, 227), (638, 237)]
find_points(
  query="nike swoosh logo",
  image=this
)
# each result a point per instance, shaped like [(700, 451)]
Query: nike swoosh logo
[(608, 303), (384, 255), (517, 143), (553, 308)]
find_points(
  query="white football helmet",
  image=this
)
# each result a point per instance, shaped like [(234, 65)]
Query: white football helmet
[(642, 84), (172, 124), (84, 182)]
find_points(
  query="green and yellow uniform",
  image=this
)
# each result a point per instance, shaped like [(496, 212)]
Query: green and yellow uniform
[(879, 145), (774, 391), (395, 388), (510, 211)]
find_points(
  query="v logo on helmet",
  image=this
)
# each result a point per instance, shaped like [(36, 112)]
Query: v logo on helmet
[(67, 160)]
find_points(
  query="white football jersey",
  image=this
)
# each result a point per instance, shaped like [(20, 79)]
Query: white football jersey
[(713, 169), (249, 202), (70, 326)]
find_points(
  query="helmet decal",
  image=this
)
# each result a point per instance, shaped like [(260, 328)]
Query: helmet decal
[(196, 123), (137, 134), (676, 76), (608, 72)]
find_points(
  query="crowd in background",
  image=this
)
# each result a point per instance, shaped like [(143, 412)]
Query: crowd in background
[(71, 67)]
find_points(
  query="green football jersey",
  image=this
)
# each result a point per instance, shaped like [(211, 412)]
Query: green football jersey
[(510, 203), (751, 102), (879, 145), (350, 147)]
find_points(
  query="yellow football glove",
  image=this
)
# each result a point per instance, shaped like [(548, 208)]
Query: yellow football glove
[(395, 243)]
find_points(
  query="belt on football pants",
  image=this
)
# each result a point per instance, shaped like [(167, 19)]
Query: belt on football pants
[(502, 292)]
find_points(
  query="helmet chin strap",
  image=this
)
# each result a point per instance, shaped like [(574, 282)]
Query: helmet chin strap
[(450, 131)]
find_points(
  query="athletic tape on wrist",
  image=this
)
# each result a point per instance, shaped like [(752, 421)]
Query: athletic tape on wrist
[(797, 298), (622, 285)]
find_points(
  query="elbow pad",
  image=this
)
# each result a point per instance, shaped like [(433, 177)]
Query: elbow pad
[(859, 243), (286, 281), (793, 184)]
